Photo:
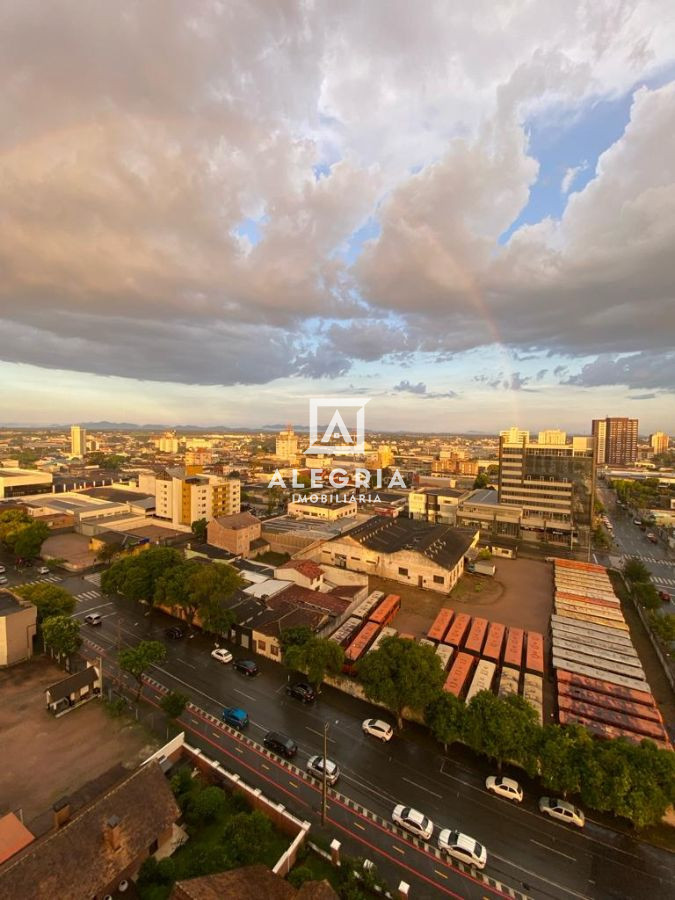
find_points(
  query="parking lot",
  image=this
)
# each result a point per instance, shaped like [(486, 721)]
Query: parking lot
[(45, 759)]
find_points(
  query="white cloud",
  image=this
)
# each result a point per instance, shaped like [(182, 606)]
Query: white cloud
[(570, 177)]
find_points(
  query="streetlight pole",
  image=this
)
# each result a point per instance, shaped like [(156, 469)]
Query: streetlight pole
[(324, 791)]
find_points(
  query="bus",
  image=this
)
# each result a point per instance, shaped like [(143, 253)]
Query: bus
[(344, 633), (359, 645), (586, 629), (648, 729), (456, 632), (614, 662), (534, 654), (581, 668), (533, 686), (604, 687), (597, 649), (368, 605), (386, 632), (440, 624), (387, 609), (592, 620), (513, 654), (581, 638), (444, 652), (476, 638), (604, 731), (459, 674), (482, 679), (494, 641), (627, 707), (508, 681)]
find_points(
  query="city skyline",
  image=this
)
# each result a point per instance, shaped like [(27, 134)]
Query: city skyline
[(467, 223)]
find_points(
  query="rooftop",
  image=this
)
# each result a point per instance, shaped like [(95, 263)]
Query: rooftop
[(306, 567), (238, 521), (8, 603)]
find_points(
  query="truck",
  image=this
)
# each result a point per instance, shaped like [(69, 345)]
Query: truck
[(481, 567)]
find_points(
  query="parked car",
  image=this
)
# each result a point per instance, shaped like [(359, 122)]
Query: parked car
[(174, 633), (413, 821), (461, 846), (665, 596), (4, 579), (378, 729), (235, 717), (246, 666), (2, 570), (652, 537), (93, 619), (281, 744), (222, 655), (44, 570), (562, 811), (301, 690), (315, 766), (504, 787), (637, 522)]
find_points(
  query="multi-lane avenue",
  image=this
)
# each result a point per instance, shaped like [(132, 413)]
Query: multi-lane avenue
[(528, 853)]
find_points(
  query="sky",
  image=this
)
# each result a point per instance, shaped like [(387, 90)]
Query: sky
[(211, 212)]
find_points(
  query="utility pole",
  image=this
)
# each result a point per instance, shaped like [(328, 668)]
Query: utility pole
[(324, 792)]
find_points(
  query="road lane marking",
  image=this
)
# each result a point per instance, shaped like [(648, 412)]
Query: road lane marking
[(92, 608), (400, 849), (442, 874), (293, 784), (359, 825), (559, 852), (539, 877), (244, 694), (320, 733), (422, 788), (178, 659), (263, 766)]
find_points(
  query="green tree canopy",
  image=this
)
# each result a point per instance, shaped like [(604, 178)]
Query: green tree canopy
[(174, 704), (199, 529), (136, 576), (317, 658), (295, 636), (401, 673), (446, 717), (663, 626), (50, 600), (503, 729), (481, 480), (137, 660), (195, 586), (563, 753), (12, 521), (62, 635), (636, 571), (27, 541)]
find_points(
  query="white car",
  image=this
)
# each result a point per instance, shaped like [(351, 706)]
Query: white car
[(44, 570), (413, 821), (4, 579), (222, 655), (462, 847), (504, 787), (315, 767), (379, 729), (562, 811)]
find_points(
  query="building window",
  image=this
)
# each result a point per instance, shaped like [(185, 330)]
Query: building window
[(402, 571), (439, 579)]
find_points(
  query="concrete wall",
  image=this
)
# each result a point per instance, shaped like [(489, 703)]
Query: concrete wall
[(16, 635)]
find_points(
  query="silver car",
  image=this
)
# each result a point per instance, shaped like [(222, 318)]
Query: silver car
[(562, 811)]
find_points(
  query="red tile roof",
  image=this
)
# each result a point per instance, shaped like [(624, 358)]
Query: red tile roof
[(306, 567)]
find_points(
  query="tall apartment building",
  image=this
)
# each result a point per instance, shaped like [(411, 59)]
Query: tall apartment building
[(286, 448), (78, 441), (553, 485), (514, 435), (615, 441), (183, 496), (167, 443), (659, 441), (552, 436)]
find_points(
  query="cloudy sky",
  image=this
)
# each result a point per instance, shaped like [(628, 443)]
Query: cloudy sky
[(210, 211)]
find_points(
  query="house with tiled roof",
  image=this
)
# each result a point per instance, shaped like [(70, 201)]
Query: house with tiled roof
[(249, 883), (238, 534), (304, 572)]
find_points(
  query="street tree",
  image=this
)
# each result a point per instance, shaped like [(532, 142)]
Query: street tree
[(400, 674), (12, 521), (62, 635), (317, 658), (562, 752), (663, 626), (503, 729), (108, 552), (646, 595), (199, 529), (294, 636), (50, 600), (136, 576), (174, 704), (636, 571), (28, 541), (445, 716), (137, 660)]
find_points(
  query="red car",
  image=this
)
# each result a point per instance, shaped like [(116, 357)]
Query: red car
[(665, 596)]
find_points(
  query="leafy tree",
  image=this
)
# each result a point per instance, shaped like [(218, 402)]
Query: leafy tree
[(62, 635), (663, 626), (317, 658), (136, 576), (207, 806), (174, 704), (28, 541), (199, 529), (295, 636), (562, 752), (484, 553), (481, 481), (137, 660), (646, 595), (401, 673), (50, 600), (108, 552), (11, 521), (173, 589), (636, 571), (246, 836), (445, 716), (503, 729)]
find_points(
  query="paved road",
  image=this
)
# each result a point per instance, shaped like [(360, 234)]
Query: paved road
[(631, 541), (526, 851)]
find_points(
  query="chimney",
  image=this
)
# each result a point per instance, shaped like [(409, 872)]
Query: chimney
[(111, 831), (61, 812)]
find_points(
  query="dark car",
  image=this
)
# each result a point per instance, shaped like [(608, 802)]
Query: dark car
[(301, 691), (174, 633), (281, 744), (235, 717), (245, 666)]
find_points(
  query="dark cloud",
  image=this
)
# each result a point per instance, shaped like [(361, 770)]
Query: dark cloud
[(639, 370), (408, 388)]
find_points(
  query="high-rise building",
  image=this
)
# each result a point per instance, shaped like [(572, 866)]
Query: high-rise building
[(659, 441), (287, 446), (515, 435), (78, 441), (615, 441), (183, 495), (553, 485), (552, 436), (167, 443)]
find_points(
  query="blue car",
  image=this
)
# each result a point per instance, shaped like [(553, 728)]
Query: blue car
[(235, 717)]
